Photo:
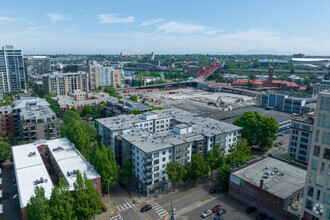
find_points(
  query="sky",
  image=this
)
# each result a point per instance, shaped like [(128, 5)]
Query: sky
[(166, 26)]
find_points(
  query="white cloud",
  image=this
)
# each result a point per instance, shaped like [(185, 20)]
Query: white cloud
[(111, 19), (150, 22), (2, 18), (185, 28), (57, 17)]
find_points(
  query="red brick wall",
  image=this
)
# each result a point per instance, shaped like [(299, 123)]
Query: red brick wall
[(7, 126), (24, 214), (98, 181), (261, 199)]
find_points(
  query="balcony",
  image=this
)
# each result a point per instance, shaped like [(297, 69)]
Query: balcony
[(147, 159), (147, 178), (147, 165), (147, 172)]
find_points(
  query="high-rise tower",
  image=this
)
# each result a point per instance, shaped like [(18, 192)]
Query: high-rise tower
[(12, 76)]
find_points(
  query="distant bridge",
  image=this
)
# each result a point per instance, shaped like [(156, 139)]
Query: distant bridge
[(203, 74)]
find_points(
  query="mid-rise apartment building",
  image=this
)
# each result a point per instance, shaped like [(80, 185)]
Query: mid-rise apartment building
[(65, 83), (6, 119), (301, 132), (12, 75), (104, 76), (317, 187), (37, 163), (156, 138)]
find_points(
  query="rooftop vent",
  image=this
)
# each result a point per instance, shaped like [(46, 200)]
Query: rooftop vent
[(32, 154), (41, 180), (57, 149), (73, 173)]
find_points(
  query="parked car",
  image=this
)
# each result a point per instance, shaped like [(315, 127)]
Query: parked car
[(213, 191), (250, 209), (216, 208), (206, 213), (146, 208), (261, 216), (218, 218), (221, 212), (281, 135)]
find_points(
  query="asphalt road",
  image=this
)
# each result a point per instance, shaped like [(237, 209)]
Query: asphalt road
[(189, 203)]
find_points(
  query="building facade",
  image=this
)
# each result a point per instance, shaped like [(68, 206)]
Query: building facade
[(285, 103), (36, 66), (317, 187), (12, 74), (156, 138), (65, 83), (6, 119), (37, 163), (301, 132), (272, 185)]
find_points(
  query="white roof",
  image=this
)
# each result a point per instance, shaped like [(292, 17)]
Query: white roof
[(311, 59), (31, 168)]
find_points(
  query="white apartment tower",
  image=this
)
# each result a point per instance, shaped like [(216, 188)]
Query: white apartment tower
[(316, 203), (12, 75)]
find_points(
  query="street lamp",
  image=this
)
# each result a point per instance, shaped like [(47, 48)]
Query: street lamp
[(110, 178)]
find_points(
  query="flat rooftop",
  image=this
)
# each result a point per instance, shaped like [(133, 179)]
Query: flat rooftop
[(283, 183), (30, 167), (230, 116), (38, 112)]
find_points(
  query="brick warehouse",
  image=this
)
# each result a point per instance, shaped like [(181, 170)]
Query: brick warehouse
[(37, 163), (272, 185)]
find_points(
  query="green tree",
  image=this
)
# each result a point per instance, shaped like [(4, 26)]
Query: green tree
[(95, 111), (214, 159), (5, 150), (135, 112), (258, 129), (38, 206), (197, 167), (70, 115), (223, 176), (175, 172), (87, 111), (106, 166), (62, 202), (126, 170), (133, 98), (86, 198)]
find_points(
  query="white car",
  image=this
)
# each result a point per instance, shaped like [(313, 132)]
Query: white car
[(206, 213)]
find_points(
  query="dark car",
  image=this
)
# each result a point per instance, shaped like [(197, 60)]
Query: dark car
[(146, 208), (221, 212), (250, 209), (216, 208), (213, 191), (218, 218), (122, 185), (261, 216)]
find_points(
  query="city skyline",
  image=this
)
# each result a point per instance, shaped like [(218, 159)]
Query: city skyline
[(181, 27)]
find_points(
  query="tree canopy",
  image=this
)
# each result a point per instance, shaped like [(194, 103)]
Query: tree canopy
[(87, 111), (5, 150), (258, 129), (197, 167), (126, 170), (133, 98), (175, 172), (38, 206), (214, 159)]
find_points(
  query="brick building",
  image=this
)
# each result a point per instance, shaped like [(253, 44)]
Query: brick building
[(37, 164), (272, 185), (6, 119)]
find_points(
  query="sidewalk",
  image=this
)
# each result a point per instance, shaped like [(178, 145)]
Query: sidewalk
[(112, 211)]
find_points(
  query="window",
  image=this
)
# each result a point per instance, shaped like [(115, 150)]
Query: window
[(163, 166), (164, 152), (303, 146), (302, 152), (325, 104), (326, 154), (156, 162), (305, 134), (318, 194), (156, 168), (310, 191), (156, 175), (326, 198), (316, 150), (317, 135), (163, 159), (314, 164), (304, 140), (156, 155), (324, 121), (322, 168), (329, 170), (309, 204), (328, 214), (319, 180), (305, 127), (310, 180), (326, 138)]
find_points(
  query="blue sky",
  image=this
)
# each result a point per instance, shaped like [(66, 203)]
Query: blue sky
[(167, 26)]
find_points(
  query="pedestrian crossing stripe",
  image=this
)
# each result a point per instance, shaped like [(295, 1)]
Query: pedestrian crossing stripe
[(158, 209), (117, 217), (124, 206)]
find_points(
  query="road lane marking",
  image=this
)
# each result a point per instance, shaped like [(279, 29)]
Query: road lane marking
[(183, 197)]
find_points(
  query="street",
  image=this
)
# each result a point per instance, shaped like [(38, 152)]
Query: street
[(189, 203)]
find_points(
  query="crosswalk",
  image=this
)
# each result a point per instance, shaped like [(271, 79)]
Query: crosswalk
[(124, 206), (117, 217), (158, 209)]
